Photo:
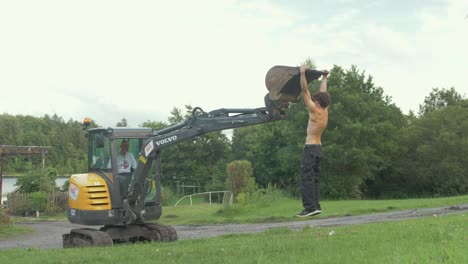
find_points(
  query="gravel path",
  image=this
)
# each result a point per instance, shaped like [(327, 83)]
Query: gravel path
[(49, 234)]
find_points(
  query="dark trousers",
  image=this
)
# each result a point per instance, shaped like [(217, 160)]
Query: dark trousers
[(310, 176)]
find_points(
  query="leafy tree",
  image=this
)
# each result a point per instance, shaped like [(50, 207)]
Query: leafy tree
[(122, 123), (177, 116), (434, 152), (361, 140), (10, 131), (439, 98), (38, 180), (157, 125), (272, 152), (66, 139)]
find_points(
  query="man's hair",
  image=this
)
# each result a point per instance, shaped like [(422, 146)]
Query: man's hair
[(323, 98)]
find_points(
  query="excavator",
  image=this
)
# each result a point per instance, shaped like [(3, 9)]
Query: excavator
[(124, 203)]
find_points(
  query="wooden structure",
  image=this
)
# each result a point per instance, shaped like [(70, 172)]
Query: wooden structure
[(20, 203), (8, 150)]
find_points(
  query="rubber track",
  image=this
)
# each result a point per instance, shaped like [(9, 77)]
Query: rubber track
[(167, 233), (94, 237)]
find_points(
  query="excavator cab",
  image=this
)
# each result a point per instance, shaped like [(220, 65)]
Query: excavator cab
[(100, 152), (96, 197)]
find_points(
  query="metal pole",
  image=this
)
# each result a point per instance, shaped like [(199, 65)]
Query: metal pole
[(43, 155)]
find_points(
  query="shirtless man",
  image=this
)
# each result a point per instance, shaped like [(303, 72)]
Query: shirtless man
[(312, 154)]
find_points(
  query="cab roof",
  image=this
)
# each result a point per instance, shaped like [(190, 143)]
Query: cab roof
[(125, 132)]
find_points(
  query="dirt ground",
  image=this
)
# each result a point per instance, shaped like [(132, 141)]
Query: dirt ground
[(49, 234)]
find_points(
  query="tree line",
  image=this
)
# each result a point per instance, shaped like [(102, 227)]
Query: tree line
[(371, 148), (68, 153)]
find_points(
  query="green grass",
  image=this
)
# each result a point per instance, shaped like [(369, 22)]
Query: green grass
[(442, 239), (42, 217), (10, 230), (276, 209), (285, 209)]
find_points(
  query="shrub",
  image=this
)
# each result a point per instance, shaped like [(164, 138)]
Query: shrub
[(267, 196), (240, 177), (228, 211), (38, 201), (168, 197), (242, 198), (42, 179), (4, 219)]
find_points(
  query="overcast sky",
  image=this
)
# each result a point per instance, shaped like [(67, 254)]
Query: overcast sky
[(137, 60)]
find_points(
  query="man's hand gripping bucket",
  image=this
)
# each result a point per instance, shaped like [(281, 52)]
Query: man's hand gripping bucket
[(283, 84)]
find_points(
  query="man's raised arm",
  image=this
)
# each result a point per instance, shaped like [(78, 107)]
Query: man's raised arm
[(305, 92), (323, 85)]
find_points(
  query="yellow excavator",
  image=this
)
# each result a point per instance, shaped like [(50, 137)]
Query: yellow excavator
[(122, 203)]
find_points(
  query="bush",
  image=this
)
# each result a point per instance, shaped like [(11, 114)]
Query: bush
[(42, 179), (261, 197), (38, 201), (240, 178), (241, 198), (267, 196), (28, 205), (4, 219), (53, 210), (168, 197), (228, 211)]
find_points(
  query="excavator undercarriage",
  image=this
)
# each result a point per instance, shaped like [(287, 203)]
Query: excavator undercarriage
[(110, 235)]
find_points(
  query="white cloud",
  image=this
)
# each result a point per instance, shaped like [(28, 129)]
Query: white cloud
[(387, 44), (115, 59)]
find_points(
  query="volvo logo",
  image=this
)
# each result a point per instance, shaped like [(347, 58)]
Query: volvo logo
[(166, 140)]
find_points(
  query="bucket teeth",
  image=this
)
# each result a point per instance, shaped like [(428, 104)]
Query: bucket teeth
[(276, 108)]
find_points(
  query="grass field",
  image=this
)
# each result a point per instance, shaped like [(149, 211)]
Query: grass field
[(10, 230), (285, 209), (442, 239), (275, 209)]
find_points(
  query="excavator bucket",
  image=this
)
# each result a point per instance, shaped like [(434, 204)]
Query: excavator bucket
[(283, 82)]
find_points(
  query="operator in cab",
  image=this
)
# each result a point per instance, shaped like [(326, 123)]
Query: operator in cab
[(125, 160)]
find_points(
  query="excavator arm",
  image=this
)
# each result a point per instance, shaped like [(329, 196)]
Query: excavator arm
[(283, 85), (200, 123)]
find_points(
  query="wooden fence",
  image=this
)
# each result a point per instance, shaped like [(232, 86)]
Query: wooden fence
[(28, 203)]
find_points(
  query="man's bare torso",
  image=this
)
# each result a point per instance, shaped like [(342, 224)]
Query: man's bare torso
[(318, 119)]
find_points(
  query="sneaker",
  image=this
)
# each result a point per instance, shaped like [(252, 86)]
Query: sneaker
[(305, 213)]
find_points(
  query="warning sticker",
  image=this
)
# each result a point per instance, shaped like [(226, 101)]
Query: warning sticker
[(149, 148), (143, 159), (73, 191)]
